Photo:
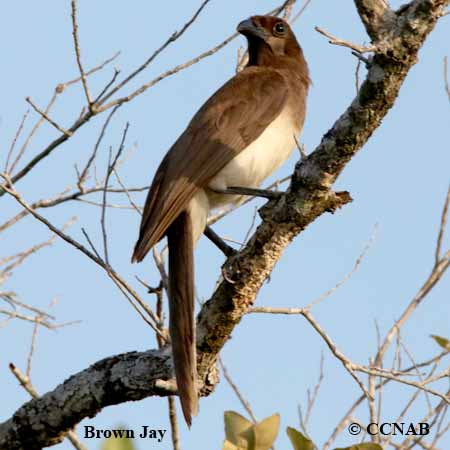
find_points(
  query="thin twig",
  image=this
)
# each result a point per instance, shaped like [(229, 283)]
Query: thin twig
[(288, 10), (47, 118), (32, 347), (78, 53), (174, 423), (301, 11), (62, 86), (163, 75), (250, 228), (107, 205), (349, 366), (312, 398), (32, 132), (111, 166), (237, 391), (346, 418), (418, 373), (84, 173), (107, 86), (446, 82), (62, 198), (336, 41), (176, 35), (11, 299), (172, 71), (347, 276), (14, 141), (436, 274), (103, 213), (124, 287), (86, 116), (443, 224), (127, 193), (32, 319), (372, 406), (58, 90), (19, 258), (301, 149)]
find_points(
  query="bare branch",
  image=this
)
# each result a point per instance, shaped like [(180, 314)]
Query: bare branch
[(107, 86), (58, 90), (82, 177), (164, 75), (336, 41), (13, 143), (237, 391), (175, 69), (32, 348), (347, 416), (358, 262), (129, 292), (310, 195), (312, 398), (169, 41), (78, 53), (20, 257), (32, 319), (174, 423), (436, 274), (301, 11), (127, 193), (10, 297), (85, 117), (47, 118), (62, 86), (111, 166), (446, 83), (443, 224), (349, 365), (25, 382), (63, 197)]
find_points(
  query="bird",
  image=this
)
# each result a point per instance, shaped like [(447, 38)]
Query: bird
[(239, 137)]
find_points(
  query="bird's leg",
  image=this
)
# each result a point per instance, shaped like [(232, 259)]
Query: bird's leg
[(236, 190), (219, 242)]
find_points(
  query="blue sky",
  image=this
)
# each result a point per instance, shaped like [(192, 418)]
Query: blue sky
[(398, 181)]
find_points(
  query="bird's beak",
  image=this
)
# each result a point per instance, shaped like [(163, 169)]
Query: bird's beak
[(248, 28)]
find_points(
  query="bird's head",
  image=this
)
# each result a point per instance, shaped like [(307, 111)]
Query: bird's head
[(268, 36)]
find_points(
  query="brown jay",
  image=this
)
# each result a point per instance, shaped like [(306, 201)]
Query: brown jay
[(242, 134)]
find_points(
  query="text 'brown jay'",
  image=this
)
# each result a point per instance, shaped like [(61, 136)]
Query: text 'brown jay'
[(242, 134)]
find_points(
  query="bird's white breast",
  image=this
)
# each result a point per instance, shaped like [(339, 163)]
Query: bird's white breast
[(258, 161)]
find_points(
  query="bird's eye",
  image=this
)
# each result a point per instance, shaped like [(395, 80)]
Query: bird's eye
[(279, 28)]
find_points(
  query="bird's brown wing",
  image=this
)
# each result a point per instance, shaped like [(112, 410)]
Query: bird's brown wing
[(224, 126)]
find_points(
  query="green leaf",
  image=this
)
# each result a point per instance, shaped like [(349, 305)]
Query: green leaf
[(298, 440), (443, 342), (365, 446), (235, 426), (227, 445), (262, 435), (118, 443)]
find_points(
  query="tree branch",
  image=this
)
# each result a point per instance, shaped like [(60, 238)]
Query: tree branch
[(134, 376), (130, 376)]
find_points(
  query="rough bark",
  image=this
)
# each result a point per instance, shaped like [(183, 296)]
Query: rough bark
[(398, 36), (43, 422)]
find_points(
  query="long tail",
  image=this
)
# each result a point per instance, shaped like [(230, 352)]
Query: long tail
[(181, 308)]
